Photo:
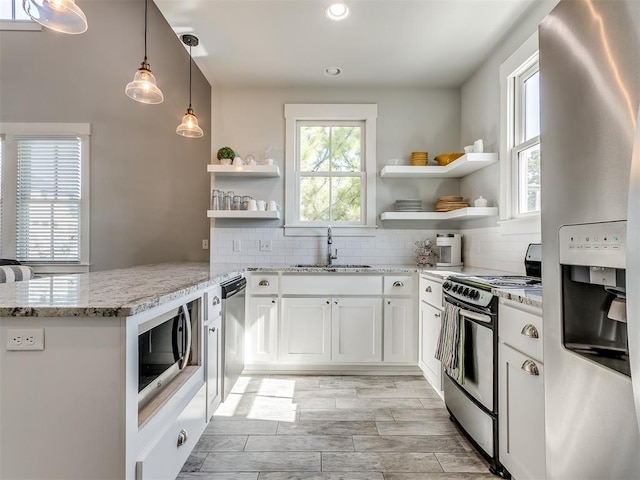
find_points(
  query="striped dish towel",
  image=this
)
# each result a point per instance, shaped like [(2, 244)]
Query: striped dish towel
[(450, 347), (15, 273)]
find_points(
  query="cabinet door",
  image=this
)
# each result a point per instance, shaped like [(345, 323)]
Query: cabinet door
[(521, 403), (430, 321), (356, 325), (400, 331), (213, 363), (262, 330), (306, 330)]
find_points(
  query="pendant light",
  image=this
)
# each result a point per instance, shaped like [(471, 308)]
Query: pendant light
[(143, 89), (189, 127), (63, 16)]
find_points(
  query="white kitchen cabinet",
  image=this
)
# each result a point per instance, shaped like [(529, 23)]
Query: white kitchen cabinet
[(262, 330), (521, 397), (212, 336), (430, 321), (400, 331), (305, 330), (356, 329), (521, 390)]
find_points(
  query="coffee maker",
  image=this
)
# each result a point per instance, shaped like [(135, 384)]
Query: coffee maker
[(450, 249)]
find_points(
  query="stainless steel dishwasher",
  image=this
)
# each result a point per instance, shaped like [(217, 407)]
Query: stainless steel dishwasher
[(233, 298)]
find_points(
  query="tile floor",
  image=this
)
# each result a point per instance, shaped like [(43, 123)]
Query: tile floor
[(281, 427)]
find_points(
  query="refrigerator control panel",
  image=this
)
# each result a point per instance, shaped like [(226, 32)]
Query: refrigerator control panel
[(595, 244)]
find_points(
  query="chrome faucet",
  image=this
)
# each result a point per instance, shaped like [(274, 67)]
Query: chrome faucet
[(330, 256)]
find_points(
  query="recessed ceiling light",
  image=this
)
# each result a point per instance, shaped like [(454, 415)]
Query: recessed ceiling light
[(332, 71), (337, 11)]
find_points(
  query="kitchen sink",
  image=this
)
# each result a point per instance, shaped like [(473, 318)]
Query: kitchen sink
[(301, 265)]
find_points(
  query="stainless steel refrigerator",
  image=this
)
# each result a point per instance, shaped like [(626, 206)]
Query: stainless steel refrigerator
[(590, 154)]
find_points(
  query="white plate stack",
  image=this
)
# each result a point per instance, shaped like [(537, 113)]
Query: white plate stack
[(411, 205)]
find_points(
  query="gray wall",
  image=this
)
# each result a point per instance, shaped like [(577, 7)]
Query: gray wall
[(251, 119), (149, 186), (480, 107)]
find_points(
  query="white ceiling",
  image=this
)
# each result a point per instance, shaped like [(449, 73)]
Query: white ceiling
[(408, 43)]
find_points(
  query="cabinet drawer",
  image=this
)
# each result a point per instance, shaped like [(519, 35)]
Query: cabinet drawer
[(331, 284), (263, 284), (166, 457), (398, 285), (520, 327), (431, 291)]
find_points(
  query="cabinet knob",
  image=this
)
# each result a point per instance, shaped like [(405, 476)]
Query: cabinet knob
[(212, 329), (530, 331), (428, 289), (328, 302), (335, 301), (263, 283), (437, 315), (398, 283), (530, 368), (388, 302), (273, 301), (183, 436)]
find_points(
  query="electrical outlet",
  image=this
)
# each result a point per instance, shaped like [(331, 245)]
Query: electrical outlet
[(205, 244), (237, 246), (25, 339), (265, 245)]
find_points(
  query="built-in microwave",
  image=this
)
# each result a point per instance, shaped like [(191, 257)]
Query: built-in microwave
[(164, 346)]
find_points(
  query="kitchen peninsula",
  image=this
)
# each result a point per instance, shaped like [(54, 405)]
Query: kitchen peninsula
[(84, 380)]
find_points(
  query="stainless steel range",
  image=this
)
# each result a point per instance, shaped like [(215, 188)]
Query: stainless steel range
[(472, 399)]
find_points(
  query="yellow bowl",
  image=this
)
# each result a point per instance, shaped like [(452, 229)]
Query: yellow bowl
[(446, 158)]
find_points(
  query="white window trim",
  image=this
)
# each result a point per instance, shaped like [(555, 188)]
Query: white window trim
[(330, 112), (83, 130), (525, 54)]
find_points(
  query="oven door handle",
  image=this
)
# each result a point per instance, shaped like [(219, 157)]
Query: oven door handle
[(187, 318), (475, 316)]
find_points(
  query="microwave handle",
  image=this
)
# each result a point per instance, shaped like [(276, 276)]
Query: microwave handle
[(187, 318)]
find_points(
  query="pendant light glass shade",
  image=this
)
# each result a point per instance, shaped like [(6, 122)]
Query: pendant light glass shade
[(60, 15), (189, 127), (143, 88)]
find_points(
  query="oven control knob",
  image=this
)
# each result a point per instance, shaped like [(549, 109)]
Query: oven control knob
[(455, 288), (446, 285), (465, 292), (475, 294)]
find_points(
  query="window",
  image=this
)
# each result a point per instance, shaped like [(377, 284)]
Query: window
[(520, 149), (13, 17), (330, 169), (45, 195)]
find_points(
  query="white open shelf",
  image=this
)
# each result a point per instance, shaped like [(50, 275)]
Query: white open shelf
[(245, 170), (459, 214), (245, 214), (461, 167)]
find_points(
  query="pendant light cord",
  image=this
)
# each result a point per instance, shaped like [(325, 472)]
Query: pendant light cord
[(190, 74), (145, 30)]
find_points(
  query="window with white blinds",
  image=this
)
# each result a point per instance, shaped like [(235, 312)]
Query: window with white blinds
[(48, 203)]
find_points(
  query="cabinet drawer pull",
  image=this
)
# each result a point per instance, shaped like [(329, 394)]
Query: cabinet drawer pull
[(398, 283), (183, 436), (263, 283), (428, 289), (530, 331), (216, 300), (530, 368)]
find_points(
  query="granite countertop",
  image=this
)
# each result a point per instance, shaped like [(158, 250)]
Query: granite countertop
[(528, 296), (111, 293), (129, 291)]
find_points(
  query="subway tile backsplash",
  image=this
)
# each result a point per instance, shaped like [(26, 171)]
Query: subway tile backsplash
[(482, 247)]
